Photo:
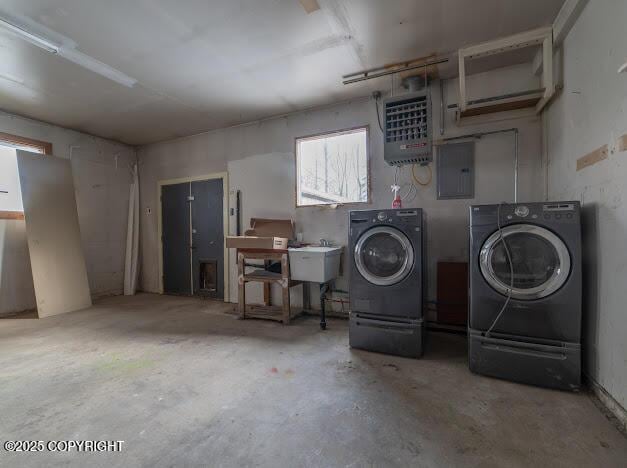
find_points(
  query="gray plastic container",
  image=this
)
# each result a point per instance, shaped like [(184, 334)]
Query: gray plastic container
[(387, 335), (544, 363)]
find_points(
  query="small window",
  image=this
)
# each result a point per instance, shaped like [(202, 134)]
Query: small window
[(10, 192), (332, 168)]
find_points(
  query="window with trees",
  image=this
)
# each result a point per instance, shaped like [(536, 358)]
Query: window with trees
[(332, 168), (10, 193)]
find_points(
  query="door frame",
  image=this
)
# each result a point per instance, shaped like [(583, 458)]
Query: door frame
[(225, 221)]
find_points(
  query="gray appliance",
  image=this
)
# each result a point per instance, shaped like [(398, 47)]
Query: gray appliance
[(525, 293), (408, 128), (387, 281)]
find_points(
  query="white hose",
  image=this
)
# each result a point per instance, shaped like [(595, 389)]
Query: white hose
[(410, 187), (511, 270)]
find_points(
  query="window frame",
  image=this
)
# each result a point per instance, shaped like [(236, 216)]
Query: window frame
[(320, 135), (43, 146)]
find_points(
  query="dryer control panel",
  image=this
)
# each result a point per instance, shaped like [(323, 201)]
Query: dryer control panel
[(558, 211), (547, 211), (525, 212)]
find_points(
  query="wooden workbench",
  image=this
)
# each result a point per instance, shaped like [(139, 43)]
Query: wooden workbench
[(267, 310)]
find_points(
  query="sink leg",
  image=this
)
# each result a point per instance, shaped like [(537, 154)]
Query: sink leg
[(324, 287)]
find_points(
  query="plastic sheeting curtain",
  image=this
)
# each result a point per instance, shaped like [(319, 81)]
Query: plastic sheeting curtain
[(131, 272)]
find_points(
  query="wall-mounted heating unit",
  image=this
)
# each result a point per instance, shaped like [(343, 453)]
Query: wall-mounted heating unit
[(408, 125)]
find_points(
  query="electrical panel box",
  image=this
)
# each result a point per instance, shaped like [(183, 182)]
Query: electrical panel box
[(455, 171), (408, 129)]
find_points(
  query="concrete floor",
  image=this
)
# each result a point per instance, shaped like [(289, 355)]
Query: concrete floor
[(182, 383)]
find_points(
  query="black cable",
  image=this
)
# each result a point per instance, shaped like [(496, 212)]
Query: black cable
[(376, 102), (511, 270)]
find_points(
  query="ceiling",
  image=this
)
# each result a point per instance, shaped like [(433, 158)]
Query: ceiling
[(205, 64)]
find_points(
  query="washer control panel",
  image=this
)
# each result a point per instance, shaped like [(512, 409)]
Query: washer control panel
[(395, 216)]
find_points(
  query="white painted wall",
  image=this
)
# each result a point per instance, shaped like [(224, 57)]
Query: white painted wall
[(260, 161), (102, 192), (592, 111)]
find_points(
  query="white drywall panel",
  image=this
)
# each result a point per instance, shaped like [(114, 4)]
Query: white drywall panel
[(53, 233)]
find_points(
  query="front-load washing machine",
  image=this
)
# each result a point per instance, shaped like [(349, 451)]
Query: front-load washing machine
[(387, 281), (525, 293)]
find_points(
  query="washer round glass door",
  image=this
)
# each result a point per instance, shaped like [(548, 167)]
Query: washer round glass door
[(384, 255), (540, 261)]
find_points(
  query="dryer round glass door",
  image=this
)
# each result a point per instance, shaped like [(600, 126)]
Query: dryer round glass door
[(535, 264), (384, 256)]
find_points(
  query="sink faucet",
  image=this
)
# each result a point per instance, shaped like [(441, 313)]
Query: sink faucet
[(325, 243)]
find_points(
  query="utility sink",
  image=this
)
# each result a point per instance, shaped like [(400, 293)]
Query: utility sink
[(315, 264)]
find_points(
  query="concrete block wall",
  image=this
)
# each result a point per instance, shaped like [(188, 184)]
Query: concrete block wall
[(590, 112), (102, 181), (259, 158)]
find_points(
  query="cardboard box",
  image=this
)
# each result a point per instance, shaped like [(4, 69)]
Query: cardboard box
[(252, 242), (262, 227), (264, 234)]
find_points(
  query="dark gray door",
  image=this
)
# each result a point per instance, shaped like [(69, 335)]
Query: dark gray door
[(208, 238), (175, 218)]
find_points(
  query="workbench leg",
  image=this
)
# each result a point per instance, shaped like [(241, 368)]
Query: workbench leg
[(286, 306), (267, 294), (241, 287), (267, 290), (324, 287), (285, 285)]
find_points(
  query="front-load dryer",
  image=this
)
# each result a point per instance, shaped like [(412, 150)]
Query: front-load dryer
[(525, 293), (387, 281)]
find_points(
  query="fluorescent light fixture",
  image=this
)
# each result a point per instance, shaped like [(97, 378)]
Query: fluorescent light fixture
[(96, 66), (30, 37), (13, 78), (623, 68), (71, 54)]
